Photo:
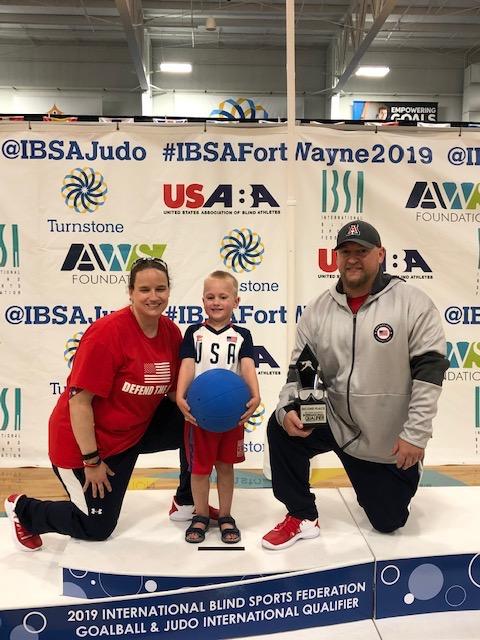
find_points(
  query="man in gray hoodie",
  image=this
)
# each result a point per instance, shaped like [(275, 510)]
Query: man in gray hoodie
[(380, 347)]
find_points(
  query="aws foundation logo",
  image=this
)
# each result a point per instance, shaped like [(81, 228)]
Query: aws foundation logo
[(106, 263), (464, 359), (445, 201)]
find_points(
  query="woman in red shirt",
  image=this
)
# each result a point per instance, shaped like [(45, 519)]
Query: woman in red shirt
[(115, 406)]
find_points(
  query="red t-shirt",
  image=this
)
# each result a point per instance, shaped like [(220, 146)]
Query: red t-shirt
[(356, 303), (129, 374)]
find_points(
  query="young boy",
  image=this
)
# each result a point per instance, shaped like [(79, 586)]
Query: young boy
[(217, 343)]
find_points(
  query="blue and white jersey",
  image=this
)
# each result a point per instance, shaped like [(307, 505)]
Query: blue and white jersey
[(216, 349)]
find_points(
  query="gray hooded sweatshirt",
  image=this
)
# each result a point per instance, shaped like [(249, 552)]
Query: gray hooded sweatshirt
[(382, 368)]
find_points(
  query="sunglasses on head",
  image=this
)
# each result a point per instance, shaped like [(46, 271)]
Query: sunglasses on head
[(152, 259)]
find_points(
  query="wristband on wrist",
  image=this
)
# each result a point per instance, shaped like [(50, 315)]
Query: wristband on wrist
[(92, 464), (93, 454)]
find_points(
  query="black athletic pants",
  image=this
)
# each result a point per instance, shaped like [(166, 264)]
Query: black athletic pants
[(382, 490), (88, 518)]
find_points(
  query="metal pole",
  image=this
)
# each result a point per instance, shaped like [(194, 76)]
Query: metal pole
[(291, 196)]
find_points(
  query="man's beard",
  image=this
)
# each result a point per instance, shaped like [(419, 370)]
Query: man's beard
[(357, 282)]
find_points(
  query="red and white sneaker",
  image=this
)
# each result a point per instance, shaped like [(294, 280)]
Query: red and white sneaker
[(185, 512), (289, 531), (22, 538)]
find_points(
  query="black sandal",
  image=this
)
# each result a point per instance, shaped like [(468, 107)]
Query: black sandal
[(197, 531), (228, 533)]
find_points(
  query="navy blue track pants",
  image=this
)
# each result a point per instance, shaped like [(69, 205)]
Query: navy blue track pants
[(382, 490), (88, 518)]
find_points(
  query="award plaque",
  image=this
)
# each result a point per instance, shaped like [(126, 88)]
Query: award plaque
[(309, 399)]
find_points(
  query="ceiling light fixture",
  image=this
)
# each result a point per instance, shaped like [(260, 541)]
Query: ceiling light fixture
[(372, 72), (210, 24), (176, 67)]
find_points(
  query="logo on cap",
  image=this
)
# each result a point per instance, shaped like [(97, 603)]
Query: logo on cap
[(353, 230)]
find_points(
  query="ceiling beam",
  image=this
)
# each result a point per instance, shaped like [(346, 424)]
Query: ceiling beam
[(355, 20), (131, 15)]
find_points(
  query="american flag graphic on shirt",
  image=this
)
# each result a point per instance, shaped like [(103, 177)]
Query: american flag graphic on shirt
[(156, 372)]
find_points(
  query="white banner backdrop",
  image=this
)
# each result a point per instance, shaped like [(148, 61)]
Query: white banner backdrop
[(421, 190), (81, 202)]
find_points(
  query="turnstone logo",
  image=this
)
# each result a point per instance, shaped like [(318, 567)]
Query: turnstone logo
[(244, 108), (255, 420), (242, 250), (84, 190), (71, 347)]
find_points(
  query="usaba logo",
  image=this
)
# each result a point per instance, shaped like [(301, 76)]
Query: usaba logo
[(445, 201), (407, 263), (192, 196), (111, 260), (84, 190)]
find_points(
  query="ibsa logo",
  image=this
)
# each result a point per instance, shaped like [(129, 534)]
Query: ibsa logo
[(84, 190), (71, 347), (9, 246), (444, 195), (466, 356), (111, 259), (256, 419), (478, 237), (192, 196), (409, 263), (342, 192), (477, 407), (242, 250), (10, 409)]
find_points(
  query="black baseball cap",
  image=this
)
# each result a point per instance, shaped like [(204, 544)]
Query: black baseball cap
[(360, 232)]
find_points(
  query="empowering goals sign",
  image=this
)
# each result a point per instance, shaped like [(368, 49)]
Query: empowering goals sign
[(81, 202)]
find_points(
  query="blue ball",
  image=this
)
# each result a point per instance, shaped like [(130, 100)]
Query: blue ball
[(217, 398)]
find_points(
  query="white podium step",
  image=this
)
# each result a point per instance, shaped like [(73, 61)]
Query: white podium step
[(433, 563), (148, 552), (137, 583)]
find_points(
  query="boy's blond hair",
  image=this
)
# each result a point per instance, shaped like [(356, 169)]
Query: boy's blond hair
[(224, 275)]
